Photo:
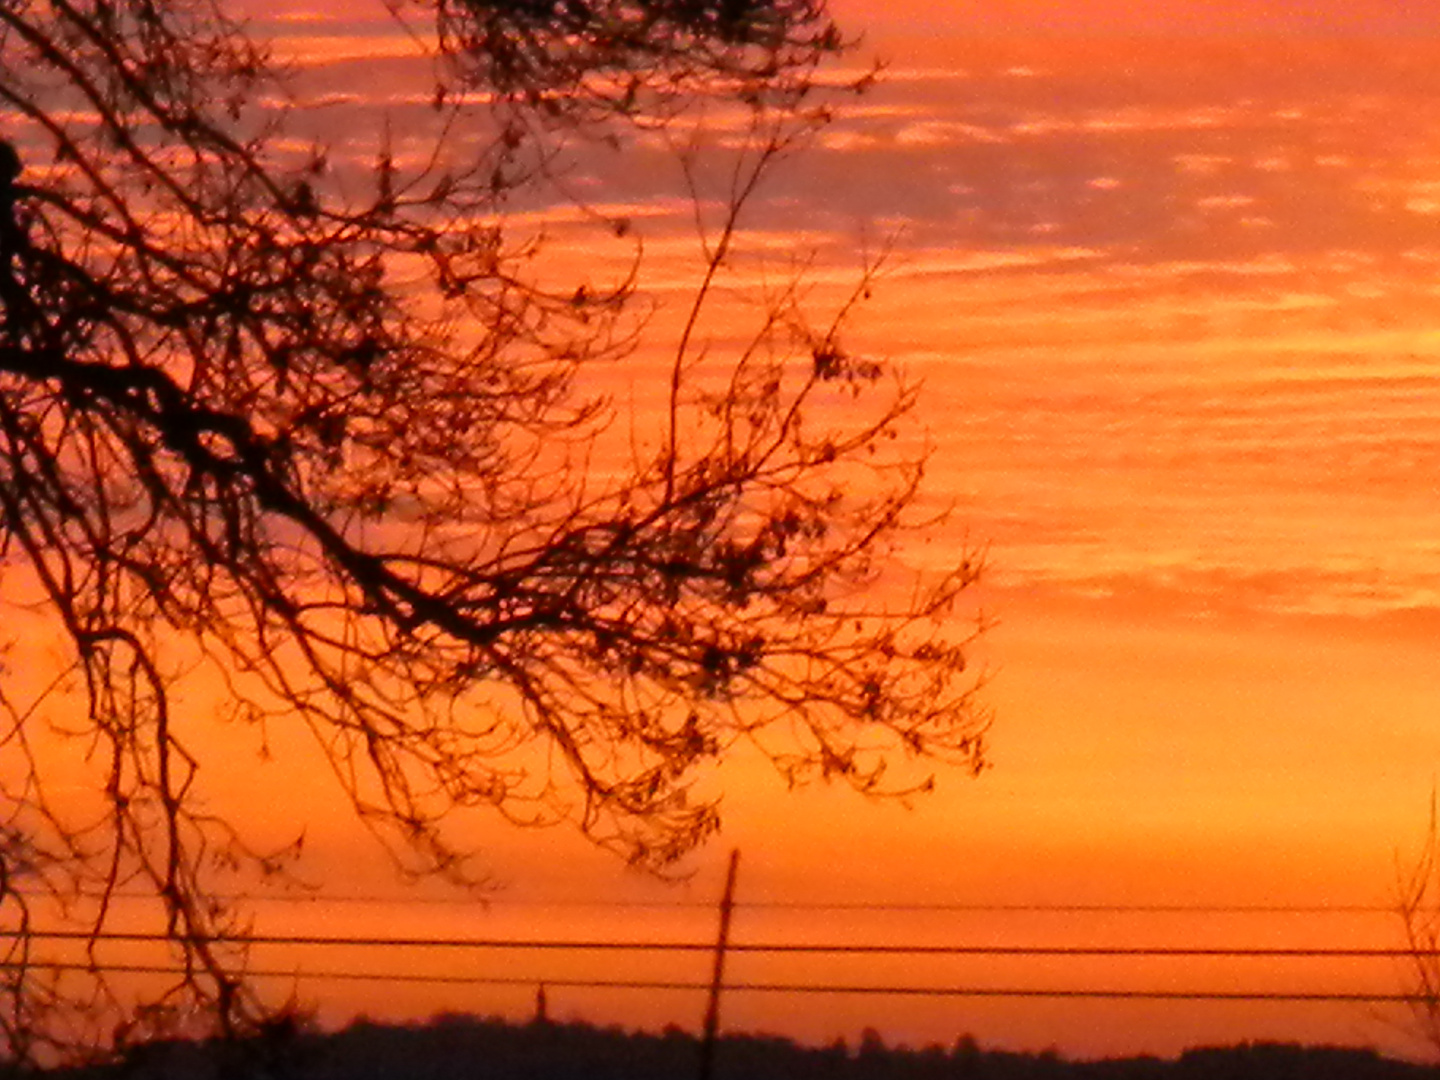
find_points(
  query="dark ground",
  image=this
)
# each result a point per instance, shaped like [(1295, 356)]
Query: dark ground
[(468, 1048)]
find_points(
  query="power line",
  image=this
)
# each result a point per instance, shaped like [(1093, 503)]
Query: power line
[(855, 989), (501, 903), (779, 948)]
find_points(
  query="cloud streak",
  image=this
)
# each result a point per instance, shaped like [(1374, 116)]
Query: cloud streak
[(1174, 303)]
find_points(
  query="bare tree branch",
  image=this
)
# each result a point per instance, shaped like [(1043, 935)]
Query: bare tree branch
[(336, 447)]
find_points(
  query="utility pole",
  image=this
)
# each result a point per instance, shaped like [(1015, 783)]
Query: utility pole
[(717, 975)]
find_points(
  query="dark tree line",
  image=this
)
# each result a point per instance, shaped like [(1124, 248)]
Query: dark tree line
[(461, 1048)]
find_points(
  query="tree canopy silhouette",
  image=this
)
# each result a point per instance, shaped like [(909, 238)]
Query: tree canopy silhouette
[(333, 444)]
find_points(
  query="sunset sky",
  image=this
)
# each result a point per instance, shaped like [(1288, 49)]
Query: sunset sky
[(1170, 274), (1008, 17)]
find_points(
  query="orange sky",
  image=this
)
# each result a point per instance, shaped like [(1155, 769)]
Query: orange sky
[(1176, 314), (1268, 16)]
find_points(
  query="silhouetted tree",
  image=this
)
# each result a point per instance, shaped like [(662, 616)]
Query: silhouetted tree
[(1416, 890), (329, 444)]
